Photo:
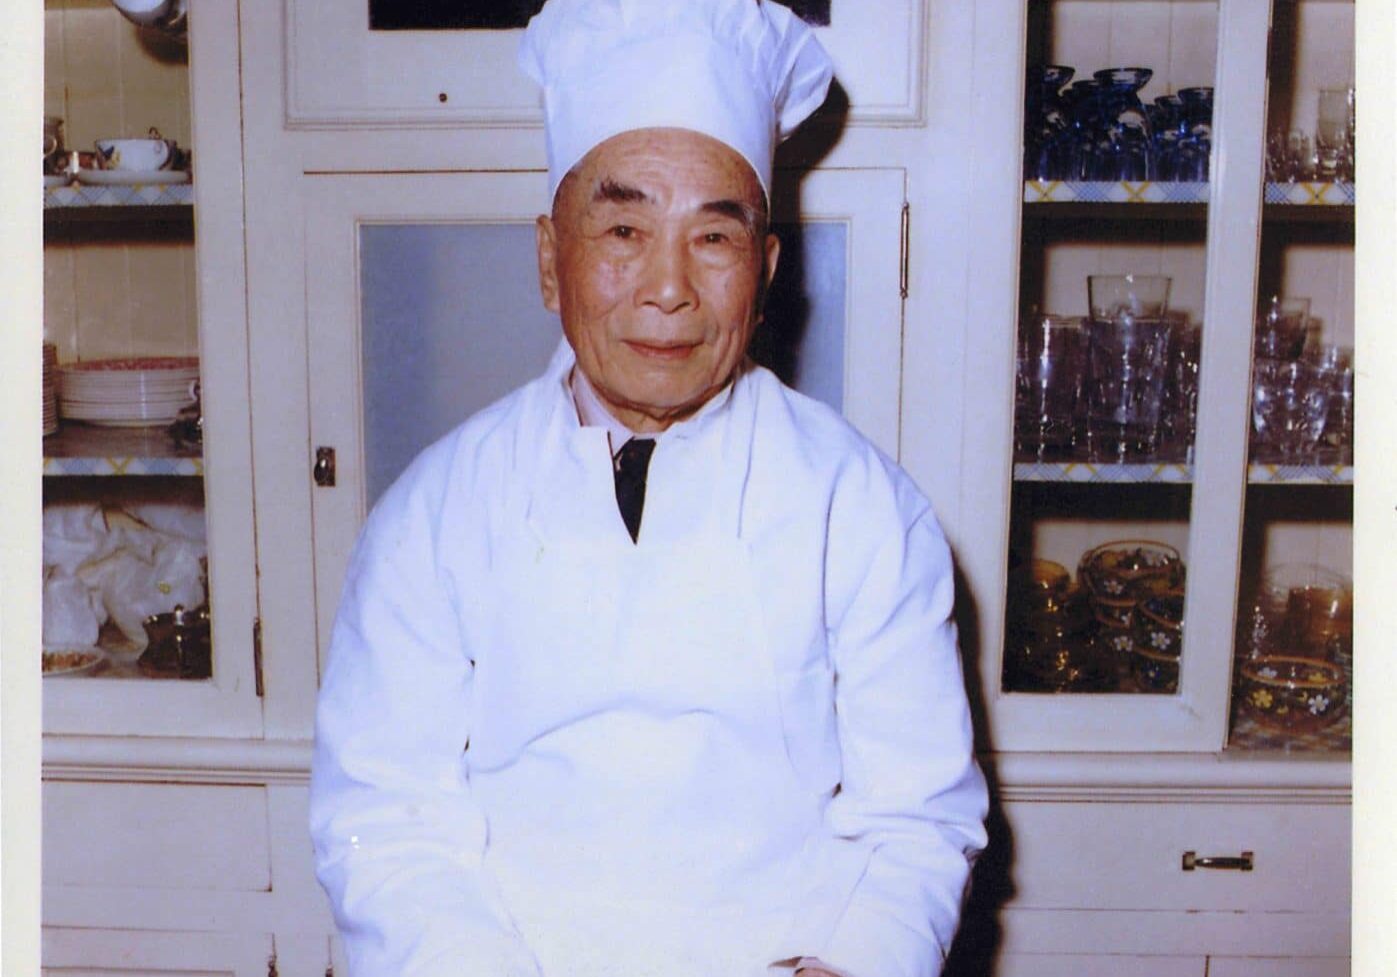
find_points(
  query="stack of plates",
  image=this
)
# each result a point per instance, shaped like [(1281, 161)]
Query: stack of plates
[(50, 388), (144, 391)]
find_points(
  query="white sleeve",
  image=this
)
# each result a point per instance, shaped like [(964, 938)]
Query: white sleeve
[(399, 840), (910, 792)]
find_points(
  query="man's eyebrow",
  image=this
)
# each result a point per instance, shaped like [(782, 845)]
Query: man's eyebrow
[(737, 210), (608, 190)]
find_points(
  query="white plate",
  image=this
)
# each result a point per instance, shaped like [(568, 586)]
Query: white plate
[(129, 178), (127, 421), (126, 396), (85, 660), (56, 180)]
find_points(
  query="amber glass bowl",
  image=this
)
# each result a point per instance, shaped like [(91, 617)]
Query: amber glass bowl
[(1292, 695)]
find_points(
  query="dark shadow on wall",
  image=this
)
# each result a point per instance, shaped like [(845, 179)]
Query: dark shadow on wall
[(977, 944)]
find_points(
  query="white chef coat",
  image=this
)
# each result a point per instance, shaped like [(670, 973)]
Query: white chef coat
[(544, 749)]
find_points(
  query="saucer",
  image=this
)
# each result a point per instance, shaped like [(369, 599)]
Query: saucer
[(127, 178)]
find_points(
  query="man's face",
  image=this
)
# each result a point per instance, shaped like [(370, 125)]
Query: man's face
[(656, 259)]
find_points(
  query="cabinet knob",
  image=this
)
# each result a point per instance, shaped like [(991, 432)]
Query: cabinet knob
[(324, 470), (1240, 863)]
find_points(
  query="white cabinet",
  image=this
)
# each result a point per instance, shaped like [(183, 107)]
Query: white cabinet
[(127, 276), (365, 279), (124, 953), (1277, 967), (343, 72)]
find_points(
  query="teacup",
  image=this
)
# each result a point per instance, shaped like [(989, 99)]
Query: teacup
[(139, 155)]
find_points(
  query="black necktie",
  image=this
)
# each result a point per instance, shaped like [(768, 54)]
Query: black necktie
[(632, 462)]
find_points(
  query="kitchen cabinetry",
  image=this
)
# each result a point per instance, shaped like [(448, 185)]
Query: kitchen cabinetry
[(345, 211), (1175, 767), (127, 276)]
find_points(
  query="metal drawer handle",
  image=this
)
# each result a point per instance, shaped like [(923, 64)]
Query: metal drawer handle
[(1241, 863)]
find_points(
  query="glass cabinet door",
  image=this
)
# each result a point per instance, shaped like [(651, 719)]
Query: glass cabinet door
[(149, 567), (1293, 671), (1124, 377), (424, 308)]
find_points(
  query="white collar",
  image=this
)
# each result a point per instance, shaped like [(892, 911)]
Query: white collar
[(591, 412)]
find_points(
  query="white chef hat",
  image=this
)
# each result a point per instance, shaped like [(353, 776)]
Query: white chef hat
[(745, 72)]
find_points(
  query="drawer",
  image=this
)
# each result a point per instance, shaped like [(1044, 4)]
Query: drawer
[(1124, 855), (1278, 967), (155, 836), (1104, 965)]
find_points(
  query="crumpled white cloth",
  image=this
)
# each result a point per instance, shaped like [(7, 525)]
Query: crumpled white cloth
[(126, 564), (73, 613)]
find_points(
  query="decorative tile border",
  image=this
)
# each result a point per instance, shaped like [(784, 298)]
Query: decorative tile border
[(1113, 192), (1175, 473), (138, 195), (1259, 474), (1091, 473), (103, 466), (1310, 194)]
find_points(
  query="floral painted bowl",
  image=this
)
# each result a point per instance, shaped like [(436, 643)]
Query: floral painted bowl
[(1292, 695), (1119, 574), (1155, 671), (1159, 624)]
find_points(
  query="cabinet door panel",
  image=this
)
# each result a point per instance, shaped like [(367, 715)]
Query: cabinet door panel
[(424, 308), (1130, 856), (456, 77), (1073, 965), (157, 285), (126, 953), (1278, 967)]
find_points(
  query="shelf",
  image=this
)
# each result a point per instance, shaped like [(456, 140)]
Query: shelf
[(1327, 195), (1102, 473), (1275, 474), (84, 450), (1124, 200), (1173, 473), (78, 202), (1247, 736)]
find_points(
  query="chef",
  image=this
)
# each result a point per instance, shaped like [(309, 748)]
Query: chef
[(648, 670)]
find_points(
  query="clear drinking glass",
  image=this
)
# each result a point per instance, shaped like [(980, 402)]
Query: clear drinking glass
[(1180, 420), (1051, 360), (1281, 328), (1331, 132), (1336, 365), (1290, 406), (1127, 364), (1128, 296)]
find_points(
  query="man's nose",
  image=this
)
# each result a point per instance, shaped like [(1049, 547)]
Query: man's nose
[(665, 282)]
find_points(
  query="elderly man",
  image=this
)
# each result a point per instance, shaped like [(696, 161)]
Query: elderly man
[(649, 669)]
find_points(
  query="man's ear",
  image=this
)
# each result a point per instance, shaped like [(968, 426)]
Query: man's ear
[(773, 253), (546, 238)]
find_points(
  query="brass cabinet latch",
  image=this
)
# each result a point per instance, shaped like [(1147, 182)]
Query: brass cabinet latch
[(1240, 863), (324, 470)]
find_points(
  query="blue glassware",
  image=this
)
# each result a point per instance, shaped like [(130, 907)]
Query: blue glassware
[(1045, 120), (1082, 155), (1125, 142), (1195, 143), (1166, 117)]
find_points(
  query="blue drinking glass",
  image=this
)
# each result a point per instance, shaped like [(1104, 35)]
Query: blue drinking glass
[(1045, 120), (1196, 139), (1166, 119), (1127, 149), (1083, 154)]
